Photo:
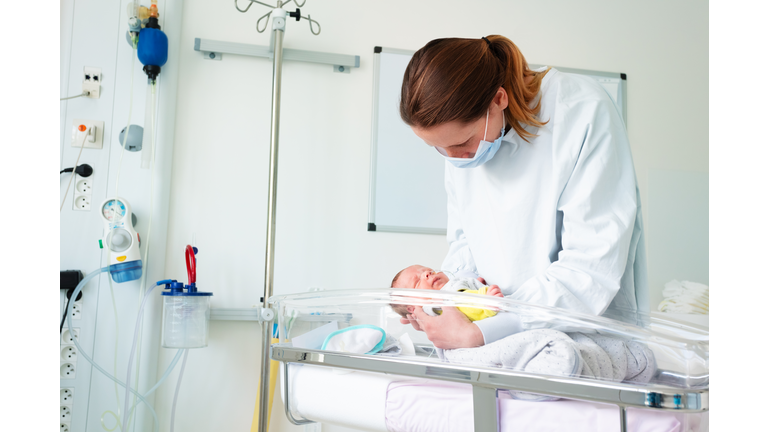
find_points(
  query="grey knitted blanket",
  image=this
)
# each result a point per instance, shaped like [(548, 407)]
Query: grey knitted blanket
[(552, 352)]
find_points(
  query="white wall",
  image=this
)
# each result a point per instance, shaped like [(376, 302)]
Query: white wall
[(220, 161), (92, 33)]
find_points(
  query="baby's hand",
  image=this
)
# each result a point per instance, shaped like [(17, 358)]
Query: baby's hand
[(494, 291)]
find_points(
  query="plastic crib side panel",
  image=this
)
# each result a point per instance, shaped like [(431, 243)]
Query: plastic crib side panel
[(591, 345)]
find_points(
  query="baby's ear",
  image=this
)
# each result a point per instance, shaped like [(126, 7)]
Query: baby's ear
[(410, 309)]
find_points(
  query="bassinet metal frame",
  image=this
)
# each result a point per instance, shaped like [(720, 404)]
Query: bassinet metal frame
[(486, 381)]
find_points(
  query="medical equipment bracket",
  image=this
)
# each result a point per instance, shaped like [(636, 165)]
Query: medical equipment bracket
[(485, 382), (213, 50), (258, 313)]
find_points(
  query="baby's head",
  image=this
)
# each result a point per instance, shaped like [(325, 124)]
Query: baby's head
[(417, 277)]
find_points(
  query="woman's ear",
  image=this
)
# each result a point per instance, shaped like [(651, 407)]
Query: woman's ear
[(410, 309), (501, 100)]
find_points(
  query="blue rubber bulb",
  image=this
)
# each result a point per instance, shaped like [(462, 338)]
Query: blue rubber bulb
[(153, 47)]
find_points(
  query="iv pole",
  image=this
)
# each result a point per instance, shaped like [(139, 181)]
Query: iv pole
[(341, 63), (278, 31)]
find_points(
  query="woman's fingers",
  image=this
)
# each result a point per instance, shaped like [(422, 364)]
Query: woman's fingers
[(412, 321), (420, 316), (452, 329)]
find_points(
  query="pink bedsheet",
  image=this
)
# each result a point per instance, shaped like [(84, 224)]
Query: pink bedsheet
[(432, 406)]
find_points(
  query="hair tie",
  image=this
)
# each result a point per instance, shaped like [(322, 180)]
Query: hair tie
[(486, 40)]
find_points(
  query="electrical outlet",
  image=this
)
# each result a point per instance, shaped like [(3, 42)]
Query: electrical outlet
[(64, 427), (95, 135), (92, 81), (82, 202), (67, 371), (66, 337), (66, 413), (77, 309), (83, 193), (66, 396), (69, 353), (83, 186)]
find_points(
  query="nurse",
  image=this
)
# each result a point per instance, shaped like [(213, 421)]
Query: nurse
[(542, 193)]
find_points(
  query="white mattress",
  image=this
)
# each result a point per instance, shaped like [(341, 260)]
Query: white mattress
[(391, 403)]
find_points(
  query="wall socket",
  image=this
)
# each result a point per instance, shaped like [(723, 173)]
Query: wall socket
[(66, 414), (66, 396), (67, 371), (66, 399), (69, 353), (66, 337), (95, 136), (83, 193), (76, 310)]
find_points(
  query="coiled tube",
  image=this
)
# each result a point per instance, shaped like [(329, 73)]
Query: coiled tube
[(82, 353)]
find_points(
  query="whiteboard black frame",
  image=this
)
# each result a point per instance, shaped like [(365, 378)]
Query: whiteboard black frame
[(621, 76), (372, 226)]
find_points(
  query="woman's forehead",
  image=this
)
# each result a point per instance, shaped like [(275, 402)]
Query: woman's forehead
[(447, 134)]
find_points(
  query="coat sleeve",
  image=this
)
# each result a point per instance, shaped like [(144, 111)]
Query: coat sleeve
[(459, 260), (598, 205)]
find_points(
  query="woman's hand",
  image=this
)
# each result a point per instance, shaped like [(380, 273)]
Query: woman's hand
[(452, 329), (412, 321)]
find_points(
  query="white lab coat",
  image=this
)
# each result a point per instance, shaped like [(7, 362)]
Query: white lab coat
[(556, 221)]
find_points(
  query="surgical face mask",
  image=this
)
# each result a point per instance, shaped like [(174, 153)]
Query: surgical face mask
[(485, 150)]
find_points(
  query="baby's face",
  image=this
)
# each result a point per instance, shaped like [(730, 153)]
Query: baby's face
[(420, 277)]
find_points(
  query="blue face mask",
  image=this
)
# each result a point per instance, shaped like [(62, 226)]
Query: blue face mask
[(485, 151)]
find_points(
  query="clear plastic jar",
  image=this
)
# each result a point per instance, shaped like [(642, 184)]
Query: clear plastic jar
[(185, 321)]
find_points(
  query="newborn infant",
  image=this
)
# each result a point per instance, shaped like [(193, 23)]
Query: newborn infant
[(420, 277)]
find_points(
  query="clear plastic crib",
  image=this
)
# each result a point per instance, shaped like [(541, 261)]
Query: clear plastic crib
[(678, 382)]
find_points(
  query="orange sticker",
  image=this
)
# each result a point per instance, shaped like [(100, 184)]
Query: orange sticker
[(121, 258)]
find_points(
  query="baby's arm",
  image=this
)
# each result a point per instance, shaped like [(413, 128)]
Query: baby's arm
[(491, 290), (494, 290)]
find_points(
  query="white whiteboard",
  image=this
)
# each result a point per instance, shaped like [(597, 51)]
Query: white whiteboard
[(407, 192)]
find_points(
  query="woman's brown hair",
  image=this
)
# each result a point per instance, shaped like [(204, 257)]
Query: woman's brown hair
[(457, 79)]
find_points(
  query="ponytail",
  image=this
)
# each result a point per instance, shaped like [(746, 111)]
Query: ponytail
[(520, 94), (457, 79)]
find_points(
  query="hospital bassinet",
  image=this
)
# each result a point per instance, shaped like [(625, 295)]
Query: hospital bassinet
[(418, 391)]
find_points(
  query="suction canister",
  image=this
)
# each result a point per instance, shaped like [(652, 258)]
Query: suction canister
[(186, 311)]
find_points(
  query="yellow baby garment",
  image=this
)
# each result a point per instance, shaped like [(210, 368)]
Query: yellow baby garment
[(476, 314)]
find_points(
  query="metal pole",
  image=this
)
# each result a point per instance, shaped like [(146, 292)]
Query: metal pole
[(623, 418), (485, 409), (266, 333)]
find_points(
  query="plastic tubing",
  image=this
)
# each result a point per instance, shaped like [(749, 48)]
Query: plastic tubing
[(178, 386), (157, 385), (109, 245), (145, 262), (133, 351), (167, 373), (89, 359), (189, 254), (149, 129)]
